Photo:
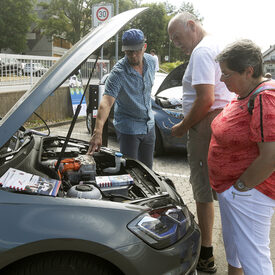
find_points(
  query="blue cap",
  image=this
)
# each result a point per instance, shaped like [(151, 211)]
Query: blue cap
[(132, 40)]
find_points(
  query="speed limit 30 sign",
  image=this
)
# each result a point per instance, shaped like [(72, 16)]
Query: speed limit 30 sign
[(101, 13)]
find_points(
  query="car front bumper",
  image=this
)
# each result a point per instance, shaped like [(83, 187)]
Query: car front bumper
[(141, 259)]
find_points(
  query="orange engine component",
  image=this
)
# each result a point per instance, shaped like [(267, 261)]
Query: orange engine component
[(70, 165)]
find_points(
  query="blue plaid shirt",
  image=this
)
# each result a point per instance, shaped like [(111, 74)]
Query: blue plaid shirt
[(133, 113)]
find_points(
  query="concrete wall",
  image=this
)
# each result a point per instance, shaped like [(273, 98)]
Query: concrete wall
[(55, 108)]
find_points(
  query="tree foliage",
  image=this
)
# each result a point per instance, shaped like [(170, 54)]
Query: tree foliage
[(124, 5), (72, 19), (16, 17), (177, 54), (69, 19), (153, 23), (187, 6)]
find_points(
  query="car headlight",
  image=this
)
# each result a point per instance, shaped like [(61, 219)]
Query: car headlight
[(162, 227)]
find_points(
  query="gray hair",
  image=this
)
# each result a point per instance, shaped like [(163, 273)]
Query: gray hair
[(242, 54), (183, 18)]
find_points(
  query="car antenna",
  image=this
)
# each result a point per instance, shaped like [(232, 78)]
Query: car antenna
[(77, 111)]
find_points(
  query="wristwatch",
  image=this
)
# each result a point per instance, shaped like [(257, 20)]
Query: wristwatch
[(242, 186)]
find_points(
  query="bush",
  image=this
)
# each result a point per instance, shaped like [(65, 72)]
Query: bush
[(168, 67)]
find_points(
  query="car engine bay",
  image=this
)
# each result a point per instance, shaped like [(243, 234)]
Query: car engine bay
[(78, 172)]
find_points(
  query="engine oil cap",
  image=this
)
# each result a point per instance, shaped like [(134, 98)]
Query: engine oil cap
[(84, 188)]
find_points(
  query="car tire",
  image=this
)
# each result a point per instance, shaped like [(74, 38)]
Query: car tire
[(62, 263), (159, 150), (89, 122)]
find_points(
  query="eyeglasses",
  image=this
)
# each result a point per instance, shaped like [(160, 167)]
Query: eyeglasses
[(226, 76), (174, 38), (133, 52)]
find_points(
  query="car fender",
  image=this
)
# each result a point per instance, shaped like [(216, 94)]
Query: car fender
[(73, 245), (66, 224)]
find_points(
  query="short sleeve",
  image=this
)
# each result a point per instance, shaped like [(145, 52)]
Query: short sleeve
[(264, 131), (204, 67), (113, 84)]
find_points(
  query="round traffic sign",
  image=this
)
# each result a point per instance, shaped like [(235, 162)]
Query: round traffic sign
[(102, 14)]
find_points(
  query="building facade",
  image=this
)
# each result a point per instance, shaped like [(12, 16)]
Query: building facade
[(269, 61)]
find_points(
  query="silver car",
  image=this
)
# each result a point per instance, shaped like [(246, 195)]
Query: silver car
[(64, 212)]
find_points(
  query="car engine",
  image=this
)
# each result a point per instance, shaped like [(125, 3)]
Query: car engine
[(79, 172)]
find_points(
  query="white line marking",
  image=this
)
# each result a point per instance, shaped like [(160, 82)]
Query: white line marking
[(173, 175)]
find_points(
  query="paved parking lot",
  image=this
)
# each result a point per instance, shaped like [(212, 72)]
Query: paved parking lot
[(175, 166)]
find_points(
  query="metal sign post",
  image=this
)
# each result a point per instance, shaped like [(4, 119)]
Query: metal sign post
[(100, 14)]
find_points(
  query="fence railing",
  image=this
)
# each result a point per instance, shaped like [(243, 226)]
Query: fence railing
[(27, 69)]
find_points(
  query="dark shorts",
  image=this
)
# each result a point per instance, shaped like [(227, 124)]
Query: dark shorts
[(198, 140)]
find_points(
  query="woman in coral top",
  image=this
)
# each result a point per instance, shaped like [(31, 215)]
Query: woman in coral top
[(241, 160)]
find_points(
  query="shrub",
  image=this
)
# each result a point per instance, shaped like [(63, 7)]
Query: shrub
[(168, 66)]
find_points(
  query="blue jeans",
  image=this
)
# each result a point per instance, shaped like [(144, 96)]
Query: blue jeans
[(140, 147)]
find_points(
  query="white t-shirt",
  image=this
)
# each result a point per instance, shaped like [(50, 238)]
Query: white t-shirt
[(157, 62), (203, 69)]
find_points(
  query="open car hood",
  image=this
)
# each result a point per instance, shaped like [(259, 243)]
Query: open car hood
[(173, 79), (65, 66)]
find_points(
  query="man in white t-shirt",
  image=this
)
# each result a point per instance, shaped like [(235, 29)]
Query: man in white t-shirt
[(204, 96), (153, 53)]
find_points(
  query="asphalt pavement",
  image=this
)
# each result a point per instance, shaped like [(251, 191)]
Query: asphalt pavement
[(175, 166)]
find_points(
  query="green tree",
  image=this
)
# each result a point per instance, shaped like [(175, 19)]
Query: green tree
[(152, 22), (16, 17), (124, 5), (169, 8), (187, 6), (109, 48), (177, 54), (72, 19)]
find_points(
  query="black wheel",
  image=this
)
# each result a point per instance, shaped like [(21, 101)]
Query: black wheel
[(159, 150), (62, 263), (89, 122)]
